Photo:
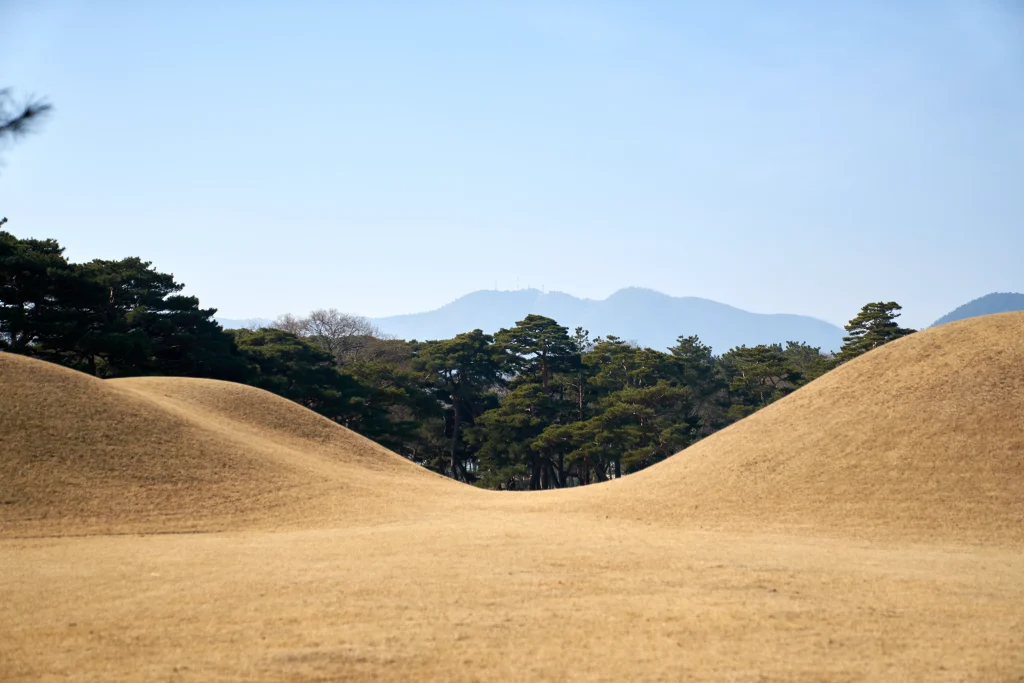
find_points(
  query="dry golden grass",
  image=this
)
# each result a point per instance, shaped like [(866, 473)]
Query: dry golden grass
[(921, 439), (81, 455), (866, 528)]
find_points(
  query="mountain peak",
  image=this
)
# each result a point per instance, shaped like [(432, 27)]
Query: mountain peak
[(652, 318), (996, 302)]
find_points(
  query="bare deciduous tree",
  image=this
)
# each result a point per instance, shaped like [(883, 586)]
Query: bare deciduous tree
[(343, 335), (340, 334), (289, 323)]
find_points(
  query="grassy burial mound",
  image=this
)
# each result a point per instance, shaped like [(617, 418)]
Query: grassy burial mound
[(923, 437), (82, 455)]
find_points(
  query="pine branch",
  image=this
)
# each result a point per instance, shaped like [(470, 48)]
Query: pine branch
[(17, 120)]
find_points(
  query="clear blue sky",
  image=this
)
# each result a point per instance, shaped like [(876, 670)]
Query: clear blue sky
[(387, 157)]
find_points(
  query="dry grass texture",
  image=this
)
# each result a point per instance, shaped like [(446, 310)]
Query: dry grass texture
[(867, 528), (81, 455), (922, 438)]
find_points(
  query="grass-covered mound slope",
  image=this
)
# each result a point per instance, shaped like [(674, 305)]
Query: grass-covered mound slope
[(923, 436), (82, 455)]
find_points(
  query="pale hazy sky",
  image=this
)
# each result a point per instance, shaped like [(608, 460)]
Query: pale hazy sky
[(386, 157)]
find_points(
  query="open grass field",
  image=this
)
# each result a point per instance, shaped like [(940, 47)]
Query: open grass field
[(868, 527)]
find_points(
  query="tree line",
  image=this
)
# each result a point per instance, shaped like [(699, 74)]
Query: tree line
[(533, 406)]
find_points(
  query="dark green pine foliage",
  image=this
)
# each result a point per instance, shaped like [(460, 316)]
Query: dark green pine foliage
[(618, 365), (874, 326), (539, 347), (808, 360), (505, 437), (639, 414), (642, 426), (400, 413), (462, 374), (108, 318), (19, 118), (644, 412), (293, 368), (757, 376), (137, 323), (645, 426), (698, 369), (576, 380), (34, 283), (542, 367), (584, 448)]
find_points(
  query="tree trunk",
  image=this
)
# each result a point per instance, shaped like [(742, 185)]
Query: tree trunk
[(20, 340), (535, 475), (618, 468), (455, 438), (581, 398), (561, 470), (554, 480)]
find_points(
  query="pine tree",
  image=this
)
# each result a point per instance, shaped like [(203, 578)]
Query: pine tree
[(758, 376), (505, 436), (808, 360), (874, 326), (460, 371), (697, 369), (539, 347), (109, 318), (138, 323), (31, 276), (19, 118), (292, 367)]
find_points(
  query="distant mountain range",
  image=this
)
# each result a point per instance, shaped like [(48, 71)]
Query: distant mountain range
[(239, 323), (644, 316), (997, 302)]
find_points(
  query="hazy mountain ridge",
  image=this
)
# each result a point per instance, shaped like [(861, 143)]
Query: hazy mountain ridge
[(239, 323), (996, 302), (645, 316)]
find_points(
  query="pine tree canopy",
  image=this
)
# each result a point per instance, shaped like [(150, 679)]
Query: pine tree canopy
[(874, 326)]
